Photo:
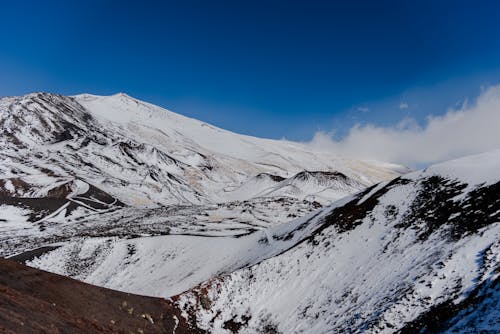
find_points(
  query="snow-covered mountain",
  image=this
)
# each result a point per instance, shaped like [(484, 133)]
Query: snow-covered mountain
[(418, 254), (145, 155), (241, 234), (80, 170), (118, 167)]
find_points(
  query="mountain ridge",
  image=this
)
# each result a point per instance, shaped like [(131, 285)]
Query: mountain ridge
[(420, 253), (113, 140)]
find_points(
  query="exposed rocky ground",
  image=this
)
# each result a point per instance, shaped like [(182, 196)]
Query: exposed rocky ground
[(34, 301)]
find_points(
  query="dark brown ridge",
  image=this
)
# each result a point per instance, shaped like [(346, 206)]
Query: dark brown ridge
[(35, 301)]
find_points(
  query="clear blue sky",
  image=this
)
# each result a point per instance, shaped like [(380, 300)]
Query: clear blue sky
[(266, 68)]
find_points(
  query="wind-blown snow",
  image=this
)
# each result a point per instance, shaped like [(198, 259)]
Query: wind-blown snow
[(474, 169)]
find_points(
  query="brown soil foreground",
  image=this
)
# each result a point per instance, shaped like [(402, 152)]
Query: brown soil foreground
[(36, 301)]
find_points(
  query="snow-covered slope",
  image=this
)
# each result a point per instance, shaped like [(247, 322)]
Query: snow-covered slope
[(162, 265), (74, 168), (282, 157), (145, 155), (323, 187), (234, 229), (98, 176), (420, 253)]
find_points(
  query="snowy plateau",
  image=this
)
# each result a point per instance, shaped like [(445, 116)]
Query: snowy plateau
[(239, 234)]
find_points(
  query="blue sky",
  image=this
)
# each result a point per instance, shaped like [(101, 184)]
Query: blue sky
[(266, 68)]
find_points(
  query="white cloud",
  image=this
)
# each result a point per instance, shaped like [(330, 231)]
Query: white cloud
[(363, 109), (403, 105), (471, 129)]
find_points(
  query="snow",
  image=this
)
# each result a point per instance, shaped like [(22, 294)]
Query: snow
[(148, 156), (79, 187), (166, 265), (236, 217), (14, 219), (378, 276), (475, 169), (9, 186), (290, 157), (372, 192)]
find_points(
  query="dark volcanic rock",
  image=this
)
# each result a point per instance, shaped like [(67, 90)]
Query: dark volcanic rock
[(35, 301)]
